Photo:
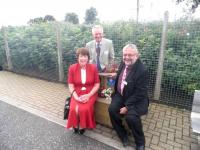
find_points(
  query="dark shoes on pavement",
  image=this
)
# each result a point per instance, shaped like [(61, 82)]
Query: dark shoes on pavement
[(79, 131), (140, 147), (125, 141), (75, 130)]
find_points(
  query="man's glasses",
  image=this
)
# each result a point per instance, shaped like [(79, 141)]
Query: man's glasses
[(98, 35), (128, 55)]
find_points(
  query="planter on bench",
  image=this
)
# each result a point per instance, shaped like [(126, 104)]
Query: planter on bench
[(101, 112)]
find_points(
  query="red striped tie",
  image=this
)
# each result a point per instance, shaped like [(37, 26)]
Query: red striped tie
[(123, 79)]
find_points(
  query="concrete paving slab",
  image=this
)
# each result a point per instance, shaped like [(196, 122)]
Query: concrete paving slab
[(164, 126)]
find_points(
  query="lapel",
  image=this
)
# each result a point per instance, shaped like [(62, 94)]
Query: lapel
[(79, 72), (130, 75), (133, 71), (87, 72), (93, 50), (93, 46), (120, 68), (118, 73), (103, 47)]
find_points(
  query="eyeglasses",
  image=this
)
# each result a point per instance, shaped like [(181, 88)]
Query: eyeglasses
[(128, 55), (96, 35)]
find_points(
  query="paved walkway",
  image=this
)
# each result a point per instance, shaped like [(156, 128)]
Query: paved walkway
[(165, 127)]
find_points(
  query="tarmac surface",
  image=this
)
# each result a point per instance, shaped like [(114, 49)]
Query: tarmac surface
[(21, 130), (165, 127)]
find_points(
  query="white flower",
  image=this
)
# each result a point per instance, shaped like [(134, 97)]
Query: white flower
[(107, 92)]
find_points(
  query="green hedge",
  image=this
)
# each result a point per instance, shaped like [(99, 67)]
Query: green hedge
[(34, 48)]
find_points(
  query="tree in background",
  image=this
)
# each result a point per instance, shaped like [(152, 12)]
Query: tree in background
[(72, 18), (49, 18), (192, 4), (90, 15), (38, 20)]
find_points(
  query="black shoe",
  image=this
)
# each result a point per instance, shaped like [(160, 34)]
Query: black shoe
[(75, 130), (125, 141), (140, 147), (81, 131)]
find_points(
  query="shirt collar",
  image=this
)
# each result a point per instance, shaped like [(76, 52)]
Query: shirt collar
[(129, 67), (97, 43)]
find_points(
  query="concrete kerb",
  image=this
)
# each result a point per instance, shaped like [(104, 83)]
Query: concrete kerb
[(89, 133)]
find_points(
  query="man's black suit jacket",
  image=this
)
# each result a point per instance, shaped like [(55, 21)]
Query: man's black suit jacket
[(135, 93)]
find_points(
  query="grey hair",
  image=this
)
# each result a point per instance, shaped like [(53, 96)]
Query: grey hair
[(133, 47), (97, 27)]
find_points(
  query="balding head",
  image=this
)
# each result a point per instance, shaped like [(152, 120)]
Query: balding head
[(97, 32)]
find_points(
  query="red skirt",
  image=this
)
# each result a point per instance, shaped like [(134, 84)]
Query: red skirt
[(85, 112)]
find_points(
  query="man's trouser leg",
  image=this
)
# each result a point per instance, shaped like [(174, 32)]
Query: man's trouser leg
[(135, 124), (115, 117)]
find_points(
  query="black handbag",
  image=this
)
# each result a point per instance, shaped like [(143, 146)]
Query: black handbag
[(67, 107)]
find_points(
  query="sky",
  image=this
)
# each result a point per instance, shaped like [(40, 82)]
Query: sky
[(19, 12)]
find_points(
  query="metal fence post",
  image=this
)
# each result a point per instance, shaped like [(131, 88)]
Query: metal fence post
[(161, 58), (59, 49), (7, 49)]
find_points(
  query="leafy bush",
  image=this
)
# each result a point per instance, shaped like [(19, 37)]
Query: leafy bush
[(34, 48)]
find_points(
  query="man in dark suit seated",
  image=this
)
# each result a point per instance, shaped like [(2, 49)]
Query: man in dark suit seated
[(130, 98)]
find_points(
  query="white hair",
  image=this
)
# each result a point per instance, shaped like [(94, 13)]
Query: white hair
[(133, 47), (97, 27)]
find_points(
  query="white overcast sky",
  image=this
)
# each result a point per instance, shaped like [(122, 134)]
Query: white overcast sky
[(19, 12)]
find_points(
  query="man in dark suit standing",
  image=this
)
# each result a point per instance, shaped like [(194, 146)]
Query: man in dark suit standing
[(130, 98)]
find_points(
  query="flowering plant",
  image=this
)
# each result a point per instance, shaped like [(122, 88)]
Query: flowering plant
[(107, 92)]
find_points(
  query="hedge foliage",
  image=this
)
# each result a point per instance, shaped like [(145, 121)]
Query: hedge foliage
[(35, 48)]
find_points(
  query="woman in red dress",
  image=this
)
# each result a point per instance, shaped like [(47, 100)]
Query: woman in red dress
[(83, 82)]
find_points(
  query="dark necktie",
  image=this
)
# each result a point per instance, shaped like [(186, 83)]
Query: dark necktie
[(98, 49)]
